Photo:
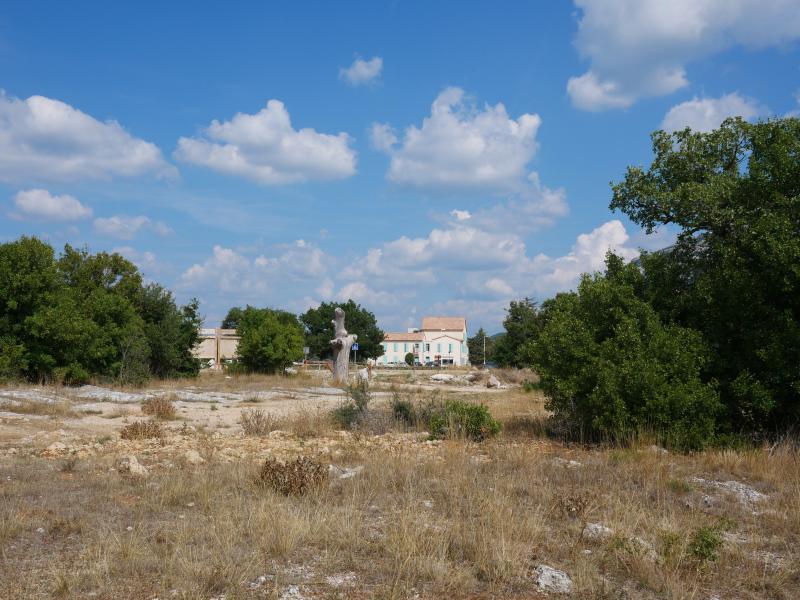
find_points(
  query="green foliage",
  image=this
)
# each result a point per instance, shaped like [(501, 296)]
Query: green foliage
[(233, 318), (705, 544), (459, 419), (409, 358), (270, 339), (403, 410), (475, 345), (81, 315), (351, 412), (319, 329), (612, 369), (523, 323), (734, 273)]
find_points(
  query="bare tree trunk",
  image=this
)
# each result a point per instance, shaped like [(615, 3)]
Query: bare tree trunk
[(341, 347)]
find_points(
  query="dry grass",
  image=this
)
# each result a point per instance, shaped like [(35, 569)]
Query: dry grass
[(59, 409), (161, 407), (466, 521), (257, 422), (139, 430)]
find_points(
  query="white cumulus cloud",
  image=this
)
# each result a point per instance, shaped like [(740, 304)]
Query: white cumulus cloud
[(127, 227), (362, 72), (705, 114), (266, 148), (41, 204), (461, 145), (641, 48), (42, 139)]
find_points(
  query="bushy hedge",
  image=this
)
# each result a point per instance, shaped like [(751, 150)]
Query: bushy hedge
[(459, 419)]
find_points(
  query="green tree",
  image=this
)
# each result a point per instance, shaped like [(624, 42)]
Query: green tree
[(734, 273), (409, 358), (171, 332), (612, 369), (522, 324), (270, 339), (475, 344), (232, 319), (318, 324)]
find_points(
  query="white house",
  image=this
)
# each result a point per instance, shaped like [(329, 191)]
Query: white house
[(440, 340)]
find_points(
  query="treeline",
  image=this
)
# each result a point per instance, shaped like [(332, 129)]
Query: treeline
[(82, 316), (698, 343), (272, 339)]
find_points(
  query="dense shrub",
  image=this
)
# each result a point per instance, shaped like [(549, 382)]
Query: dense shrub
[(612, 369), (141, 430), (160, 408), (295, 477), (256, 422), (459, 419), (350, 412), (403, 410)]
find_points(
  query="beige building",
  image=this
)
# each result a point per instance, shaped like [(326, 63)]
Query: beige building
[(440, 340), (216, 346)]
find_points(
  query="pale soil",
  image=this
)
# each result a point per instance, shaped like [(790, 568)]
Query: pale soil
[(401, 516)]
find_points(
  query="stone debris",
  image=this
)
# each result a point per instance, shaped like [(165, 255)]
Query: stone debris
[(743, 492), (552, 580), (443, 378), (341, 579), (292, 593), (193, 457), (596, 531), (569, 464), (129, 465), (494, 382), (345, 472), (260, 581), (657, 449)]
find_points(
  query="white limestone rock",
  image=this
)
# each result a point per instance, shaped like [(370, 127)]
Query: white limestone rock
[(552, 580)]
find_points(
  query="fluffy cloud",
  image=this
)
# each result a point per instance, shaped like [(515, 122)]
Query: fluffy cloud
[(640, 48), (265, 148), (460, 145), (362, 72), (707, 113), (146, 261), (42, 139), (41, 204), (227, 270), (126, 228)]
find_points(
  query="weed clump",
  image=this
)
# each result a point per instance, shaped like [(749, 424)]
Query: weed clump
[(403, 410), (159, 408), (257, 422), (705, 544), (459, 419), (296, 477), (142, 430), (351, 412)]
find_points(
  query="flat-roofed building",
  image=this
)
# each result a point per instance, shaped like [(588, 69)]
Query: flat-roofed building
[(216, 346)]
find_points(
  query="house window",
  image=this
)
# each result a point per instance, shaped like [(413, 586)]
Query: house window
[(385, 347), (427, 347), (395, 347), (416, 347), (449, 348), (438, 347), (405, 347)]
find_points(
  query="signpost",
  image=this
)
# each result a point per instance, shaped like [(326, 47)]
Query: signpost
[(355, 349)]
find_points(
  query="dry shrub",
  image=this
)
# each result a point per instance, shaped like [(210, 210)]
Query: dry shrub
[(141, 430), (295, 477), (257, 422), (57, 409), (160, 408)]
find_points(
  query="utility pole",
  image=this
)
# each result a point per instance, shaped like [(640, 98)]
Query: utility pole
[(484, 348)]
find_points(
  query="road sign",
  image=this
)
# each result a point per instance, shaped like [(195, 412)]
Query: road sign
[(355, 346)]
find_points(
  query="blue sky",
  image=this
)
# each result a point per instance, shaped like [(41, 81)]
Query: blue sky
[(419, 158)]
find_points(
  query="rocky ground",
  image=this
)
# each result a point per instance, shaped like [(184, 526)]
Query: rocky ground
[(85, 513)]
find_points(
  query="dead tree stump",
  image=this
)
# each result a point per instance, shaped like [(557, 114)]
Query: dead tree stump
[(341, 347)]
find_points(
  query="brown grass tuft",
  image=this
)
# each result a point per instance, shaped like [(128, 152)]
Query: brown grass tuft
[(142, 430), (257, 422), (295, 477), (159, 408)]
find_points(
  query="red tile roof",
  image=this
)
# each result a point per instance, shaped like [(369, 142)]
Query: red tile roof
[(448, 323), (393, 336)]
